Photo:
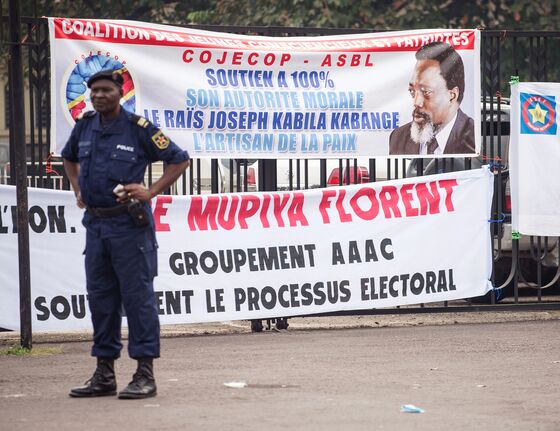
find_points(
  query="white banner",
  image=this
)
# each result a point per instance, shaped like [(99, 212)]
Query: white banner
[(264, 255), (222, 95), (534, 154)]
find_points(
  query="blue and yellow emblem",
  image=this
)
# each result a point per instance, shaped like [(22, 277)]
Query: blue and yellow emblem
[(538, 114), (161, 141)]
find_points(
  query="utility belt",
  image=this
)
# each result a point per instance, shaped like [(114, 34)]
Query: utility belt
[(132, 207)]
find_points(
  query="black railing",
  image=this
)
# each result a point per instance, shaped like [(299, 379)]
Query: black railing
[(520, 265)]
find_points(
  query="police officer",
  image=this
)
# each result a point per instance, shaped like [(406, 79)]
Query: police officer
[(105, 160)]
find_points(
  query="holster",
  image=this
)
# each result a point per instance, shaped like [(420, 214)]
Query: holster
[(138, 213)]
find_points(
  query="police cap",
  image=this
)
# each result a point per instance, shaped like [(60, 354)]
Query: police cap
[(110, 75)]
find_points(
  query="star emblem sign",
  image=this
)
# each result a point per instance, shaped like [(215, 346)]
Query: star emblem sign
[(538, 114)]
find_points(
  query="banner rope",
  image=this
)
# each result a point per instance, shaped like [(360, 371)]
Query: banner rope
[(494, 163), (48, 165), (500, 219), (496, 166)]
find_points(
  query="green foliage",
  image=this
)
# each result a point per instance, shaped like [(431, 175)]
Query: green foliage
[(36, 351), (161, 11), (391, 14), (366, 14), (15, 351)]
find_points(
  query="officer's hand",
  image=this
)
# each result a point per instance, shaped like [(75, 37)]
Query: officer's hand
[(79, 201), (136, 191)]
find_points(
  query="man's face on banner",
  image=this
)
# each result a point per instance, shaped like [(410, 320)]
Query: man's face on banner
[(432, 101)]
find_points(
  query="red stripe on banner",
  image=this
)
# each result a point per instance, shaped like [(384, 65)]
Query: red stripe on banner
[(112, 32)]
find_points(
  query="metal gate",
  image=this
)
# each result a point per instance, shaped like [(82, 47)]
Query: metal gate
[(526, 269)]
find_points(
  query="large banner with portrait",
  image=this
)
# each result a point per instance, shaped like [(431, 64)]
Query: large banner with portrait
[(274, 254), (533, 156), (220, 95)]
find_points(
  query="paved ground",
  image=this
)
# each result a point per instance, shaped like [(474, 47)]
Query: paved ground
[(483, 371)]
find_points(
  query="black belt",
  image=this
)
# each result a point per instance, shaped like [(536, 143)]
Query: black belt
[(108, 211)]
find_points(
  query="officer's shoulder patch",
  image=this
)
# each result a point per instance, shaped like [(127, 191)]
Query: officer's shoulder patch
[(139, 121), (87, 114), (160, 140)]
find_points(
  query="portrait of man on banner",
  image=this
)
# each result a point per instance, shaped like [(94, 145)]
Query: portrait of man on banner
[(438, 125)]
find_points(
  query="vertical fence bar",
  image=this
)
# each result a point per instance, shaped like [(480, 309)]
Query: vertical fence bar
[(17, 129), (267, 175), (215, 179)]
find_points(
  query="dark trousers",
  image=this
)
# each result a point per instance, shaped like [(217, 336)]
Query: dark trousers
[(120, 268)]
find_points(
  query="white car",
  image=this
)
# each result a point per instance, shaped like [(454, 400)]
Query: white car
[(196, 180), (299, 174)]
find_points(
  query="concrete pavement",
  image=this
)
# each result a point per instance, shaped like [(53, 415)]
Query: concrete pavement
[(350, 373)]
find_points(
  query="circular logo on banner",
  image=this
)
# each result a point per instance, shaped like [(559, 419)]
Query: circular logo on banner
[(77, 92), (538, 114)]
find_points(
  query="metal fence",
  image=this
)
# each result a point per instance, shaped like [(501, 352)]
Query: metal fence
[(525, 269)]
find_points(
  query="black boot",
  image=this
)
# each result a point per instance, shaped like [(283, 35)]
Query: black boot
[(102, 383), (143, 384)]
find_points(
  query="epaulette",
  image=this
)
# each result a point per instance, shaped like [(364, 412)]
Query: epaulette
[(138, 120), (87, 114)]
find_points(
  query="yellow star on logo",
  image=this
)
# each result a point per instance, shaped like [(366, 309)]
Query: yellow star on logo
[(538, 114)]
